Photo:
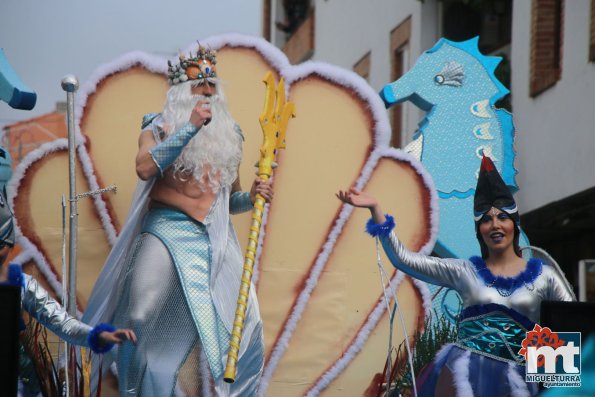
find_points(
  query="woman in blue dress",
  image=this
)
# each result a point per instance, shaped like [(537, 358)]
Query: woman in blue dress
[(501, 294)]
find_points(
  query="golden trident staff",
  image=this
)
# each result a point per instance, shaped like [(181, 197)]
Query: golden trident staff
[(273, 121)]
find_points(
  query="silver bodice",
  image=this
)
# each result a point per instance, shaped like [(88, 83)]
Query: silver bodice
[(461, 275)]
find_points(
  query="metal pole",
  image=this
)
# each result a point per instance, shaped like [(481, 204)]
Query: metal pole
[(70, 84), (64, 295)]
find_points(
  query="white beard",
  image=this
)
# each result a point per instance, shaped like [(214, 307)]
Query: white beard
[(213, 156)]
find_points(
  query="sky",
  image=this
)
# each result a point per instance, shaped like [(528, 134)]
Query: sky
[(47, 40)]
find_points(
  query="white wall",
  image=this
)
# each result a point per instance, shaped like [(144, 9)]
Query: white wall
[(366, 26), (555, 138)]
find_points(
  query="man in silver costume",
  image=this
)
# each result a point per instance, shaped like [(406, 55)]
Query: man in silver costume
[(501, 294), (36, 301), (174, 274)]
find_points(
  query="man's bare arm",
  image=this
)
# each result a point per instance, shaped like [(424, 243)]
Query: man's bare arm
[(243, 201), (236, 186)]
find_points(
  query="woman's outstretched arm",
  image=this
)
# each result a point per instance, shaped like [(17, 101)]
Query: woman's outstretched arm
[(440, 271)]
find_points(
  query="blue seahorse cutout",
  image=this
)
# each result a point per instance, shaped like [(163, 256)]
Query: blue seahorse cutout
[(455, 85), (14, 92)]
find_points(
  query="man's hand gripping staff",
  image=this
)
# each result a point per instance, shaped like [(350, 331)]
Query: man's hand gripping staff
[(273, 122)]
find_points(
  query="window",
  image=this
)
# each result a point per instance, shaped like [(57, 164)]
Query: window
[(296, 12), (592, 41), (266, 20), (399, 40), (362, 67), (546, 44), (300, 44), (491, 20)]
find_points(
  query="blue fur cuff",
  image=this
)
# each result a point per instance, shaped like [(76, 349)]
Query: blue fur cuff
[(15, 275), (380, 229), (95, 343)]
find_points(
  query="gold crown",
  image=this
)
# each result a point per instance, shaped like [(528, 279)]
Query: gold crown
[(199, 66)]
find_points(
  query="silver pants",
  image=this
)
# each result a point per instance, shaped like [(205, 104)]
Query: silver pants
[(168, 359)]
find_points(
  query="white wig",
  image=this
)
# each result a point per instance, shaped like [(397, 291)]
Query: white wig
[(213, 156)]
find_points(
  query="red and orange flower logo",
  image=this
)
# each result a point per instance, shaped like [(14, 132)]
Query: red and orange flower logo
[(538, 337)]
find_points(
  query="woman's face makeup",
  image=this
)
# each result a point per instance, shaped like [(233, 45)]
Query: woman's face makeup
[(497, 230)]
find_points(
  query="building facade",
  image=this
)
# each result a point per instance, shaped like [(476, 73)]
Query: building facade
[(548, 48)]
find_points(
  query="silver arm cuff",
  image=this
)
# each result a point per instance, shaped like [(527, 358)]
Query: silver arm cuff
[(166, 152), (240, 202)]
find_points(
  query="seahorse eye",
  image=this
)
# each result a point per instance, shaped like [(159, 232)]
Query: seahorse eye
[(439, 79)]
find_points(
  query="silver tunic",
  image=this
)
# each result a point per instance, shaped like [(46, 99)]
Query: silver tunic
[(460, 275)]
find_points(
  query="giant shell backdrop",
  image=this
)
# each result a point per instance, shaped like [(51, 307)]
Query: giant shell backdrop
[(326, 328)]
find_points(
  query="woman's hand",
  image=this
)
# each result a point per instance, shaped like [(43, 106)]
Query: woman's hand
[(357, 198), (118, 336), (362, 200)]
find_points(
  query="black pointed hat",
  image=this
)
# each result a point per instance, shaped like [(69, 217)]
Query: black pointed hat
[(491, 191)]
